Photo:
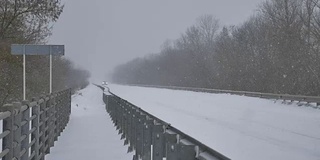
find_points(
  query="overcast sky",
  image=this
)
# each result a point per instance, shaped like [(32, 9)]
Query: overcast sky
[(100, 34)]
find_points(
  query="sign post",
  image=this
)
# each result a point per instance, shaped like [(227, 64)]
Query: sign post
[(24, 73), (32, 49), (50, 71)]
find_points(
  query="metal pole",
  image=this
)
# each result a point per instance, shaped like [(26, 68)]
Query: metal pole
[(50, 71), (24, 72)]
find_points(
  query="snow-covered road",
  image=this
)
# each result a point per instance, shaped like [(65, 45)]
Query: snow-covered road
[(90, 134), (242, 128)]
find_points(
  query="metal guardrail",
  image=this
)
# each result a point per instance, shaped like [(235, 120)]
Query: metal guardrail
[(31, 128), (299, 98), (151, 137)]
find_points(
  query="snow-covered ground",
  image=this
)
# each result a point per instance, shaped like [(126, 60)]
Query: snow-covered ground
[(90, 134), (242, 128)]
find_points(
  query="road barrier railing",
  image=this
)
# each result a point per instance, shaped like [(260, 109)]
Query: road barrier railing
[(284, 97), (152, 138), (30, 128)]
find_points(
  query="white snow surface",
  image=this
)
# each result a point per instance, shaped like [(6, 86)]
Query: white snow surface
[(90, 134), (242, 128)]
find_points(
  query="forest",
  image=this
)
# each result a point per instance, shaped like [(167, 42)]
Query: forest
[(276, 50), (30, 22)]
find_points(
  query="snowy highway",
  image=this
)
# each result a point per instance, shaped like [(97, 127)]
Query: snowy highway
[(242, 128)]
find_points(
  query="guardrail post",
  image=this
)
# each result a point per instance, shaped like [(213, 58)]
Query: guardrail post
[(132, 131), (127, 125), (181, 151), (56, 117), (69, 104), (65, 110), (158, 142), (35, 134), (47, 124), (147, 139), (106, 100), (62, 112), (8, 123), (42, 127), (115, 114), (50, 123), (135, 128), (111, 106), (53, 120), (109, 102), (25, 131), (139, 131), (17, 127), (124, 123), (60, 117), (187, 152), (171, 150), (130, 123), (120, 119)]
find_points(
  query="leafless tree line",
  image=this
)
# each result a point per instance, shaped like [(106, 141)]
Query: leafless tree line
[(30, 22), (276, 50)]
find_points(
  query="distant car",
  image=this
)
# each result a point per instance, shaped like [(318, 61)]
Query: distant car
[(104, 83)]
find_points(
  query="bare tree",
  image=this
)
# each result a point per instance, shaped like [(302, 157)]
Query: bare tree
[(22, 22), (30, 19), (277, 50)]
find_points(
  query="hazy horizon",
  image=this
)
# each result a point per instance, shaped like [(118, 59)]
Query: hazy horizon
[(100, 35)]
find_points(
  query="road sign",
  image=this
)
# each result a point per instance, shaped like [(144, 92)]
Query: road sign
[(31, 49), (34, 49)]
